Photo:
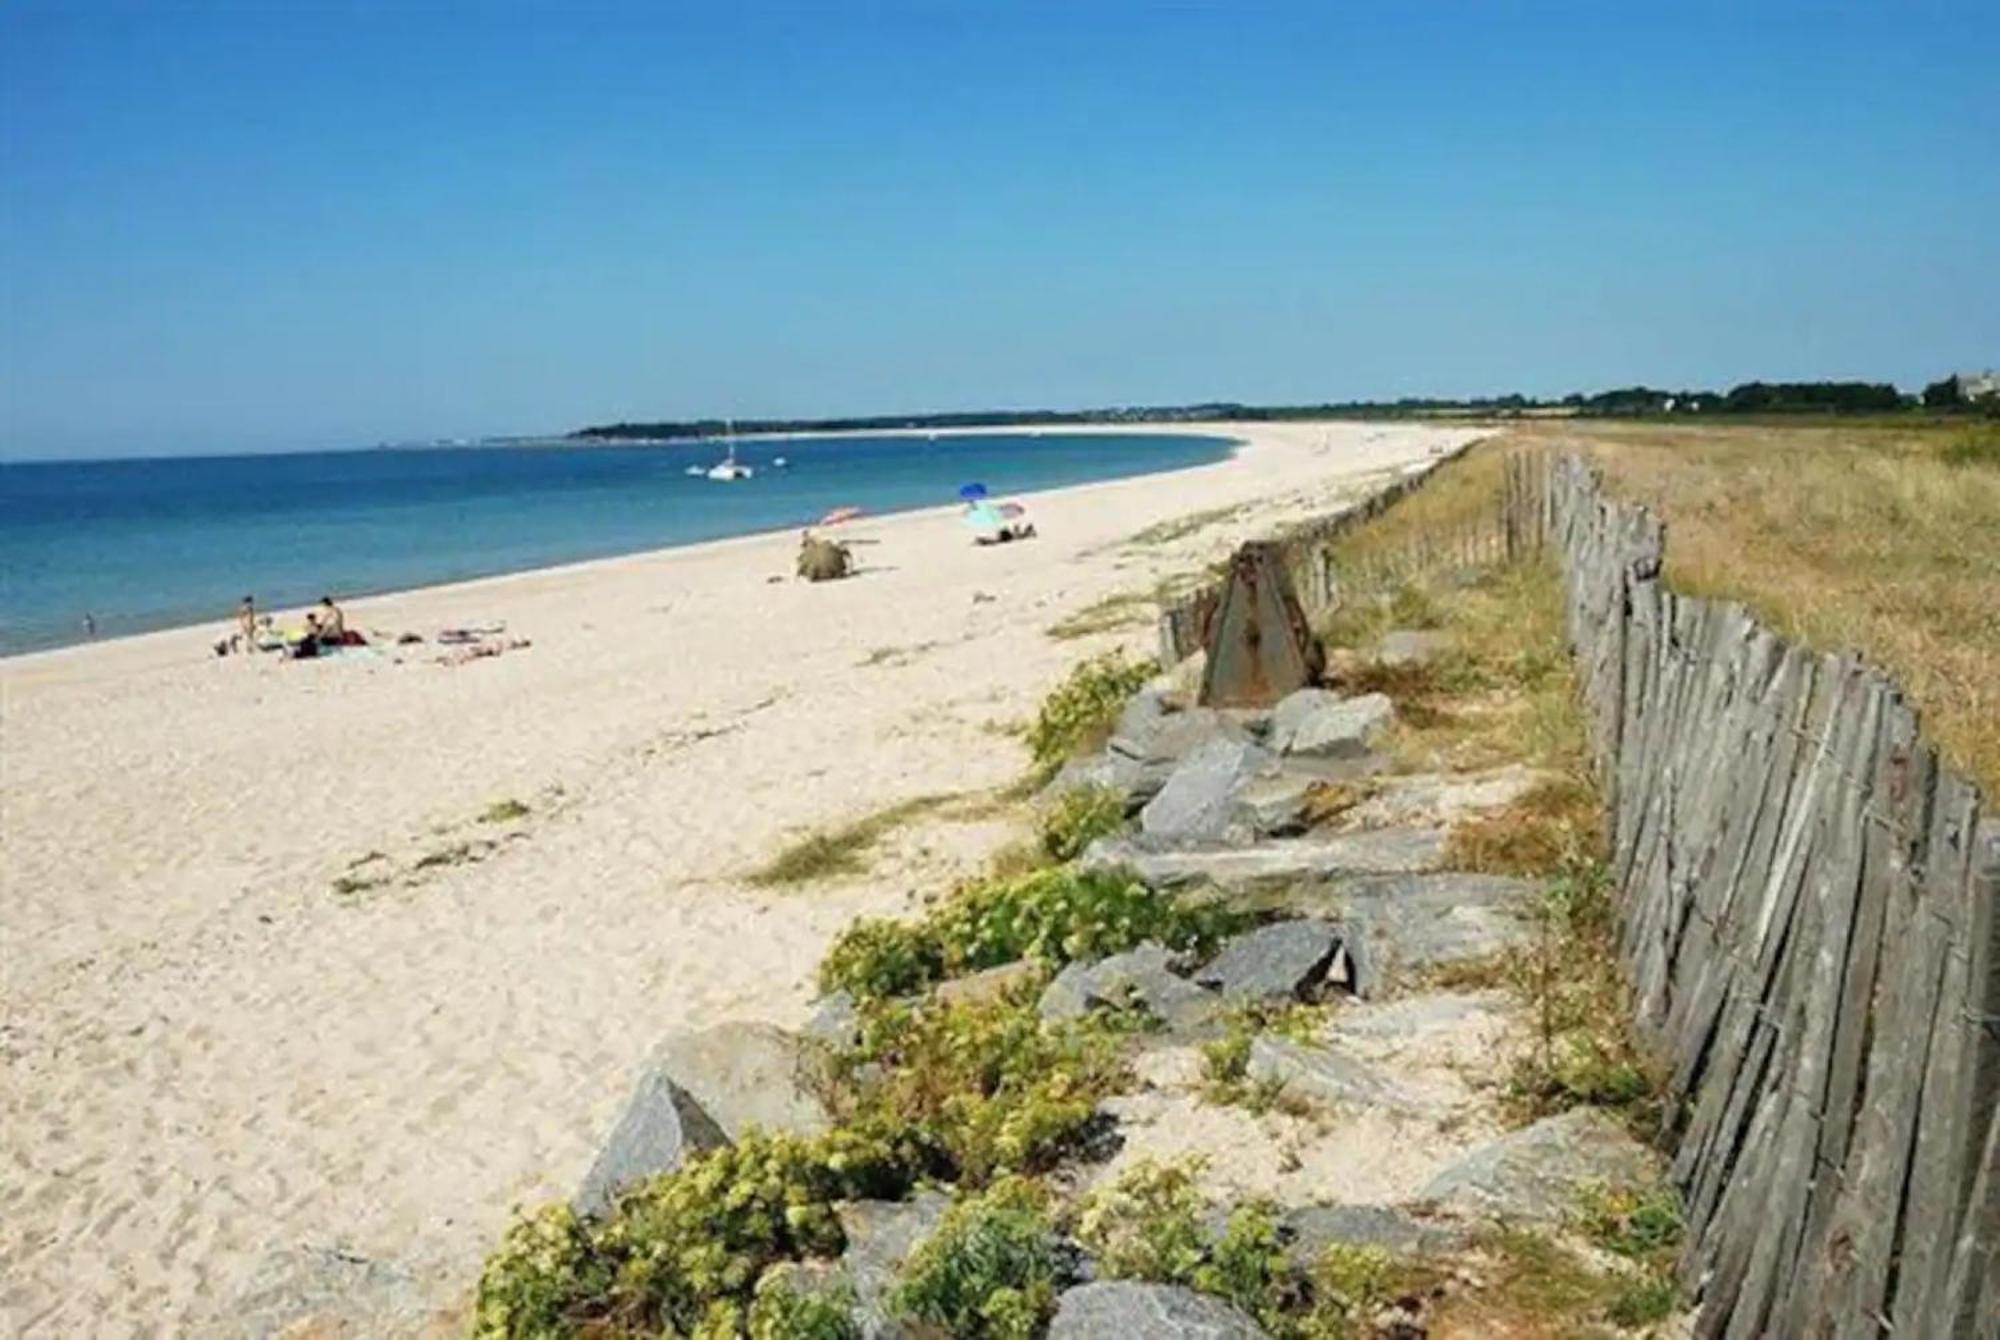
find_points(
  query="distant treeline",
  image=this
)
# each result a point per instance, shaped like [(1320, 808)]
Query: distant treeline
[(1748, 398)]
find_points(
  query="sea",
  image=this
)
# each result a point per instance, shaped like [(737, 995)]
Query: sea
[(96, 549)]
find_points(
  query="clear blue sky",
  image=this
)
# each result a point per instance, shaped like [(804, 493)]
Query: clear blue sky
[(275, 225)]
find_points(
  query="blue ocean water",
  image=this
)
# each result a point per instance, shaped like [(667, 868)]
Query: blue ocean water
[(144, 544)]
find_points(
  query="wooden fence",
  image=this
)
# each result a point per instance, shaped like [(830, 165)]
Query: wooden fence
[(1308, 557), (1811, 920), (1810, 914)]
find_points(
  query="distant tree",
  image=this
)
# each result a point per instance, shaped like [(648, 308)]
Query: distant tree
[(1946, 394)]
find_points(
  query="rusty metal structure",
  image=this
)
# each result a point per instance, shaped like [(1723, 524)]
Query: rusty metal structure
[(1260, 647)]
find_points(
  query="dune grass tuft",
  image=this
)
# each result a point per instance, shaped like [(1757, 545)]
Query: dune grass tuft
[(842, 851)]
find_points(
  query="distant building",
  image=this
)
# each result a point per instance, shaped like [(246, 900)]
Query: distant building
[(1978, 385)]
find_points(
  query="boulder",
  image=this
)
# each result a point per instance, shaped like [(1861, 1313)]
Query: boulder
[(1324, 1076), (1411, 646), (1286, 960), (1141, 978), (1345, 728), (1155, 728), (748, 1074), (1437, 798), (836, 1020), (881, 1234), (1130, 1310), (1537, 1174), (1281, 864), (1393, 929), (988, 984), (1200, 802), (1311, 1229), (661, 1126)]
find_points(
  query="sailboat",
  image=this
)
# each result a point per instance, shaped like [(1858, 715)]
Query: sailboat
[(728, 469)]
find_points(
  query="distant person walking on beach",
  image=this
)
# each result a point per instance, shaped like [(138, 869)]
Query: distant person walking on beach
[(89, 625), (246, 626)]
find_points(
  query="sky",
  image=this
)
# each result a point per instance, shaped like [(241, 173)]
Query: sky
[(272, 226)]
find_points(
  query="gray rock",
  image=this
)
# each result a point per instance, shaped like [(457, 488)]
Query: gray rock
[(1282, 863), (748, 1074), (881, 1234), (1139, 977), (1439, 798), (989, 984), (1411, 646), (1274, 805), (661, 1126), (836, 1020), (1200, 802), (1536, 1174), (1154, 729), (1312, 1229), (1129, 1310), (1347, 728), (1295, 709), (1323, 1075), (1392, 930), (1413, 1017), (1286, 960)]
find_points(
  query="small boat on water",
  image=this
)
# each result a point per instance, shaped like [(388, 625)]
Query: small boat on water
[(729, 469)]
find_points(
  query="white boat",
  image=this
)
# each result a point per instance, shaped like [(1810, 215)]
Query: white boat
[(728, 468)]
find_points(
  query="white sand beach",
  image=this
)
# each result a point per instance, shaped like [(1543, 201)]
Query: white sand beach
[(232, 1087)]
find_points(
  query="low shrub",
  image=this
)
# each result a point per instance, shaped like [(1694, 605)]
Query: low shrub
[(1146, 1224), (780, 1312), (1078, 715), (684, 1251), (1052, 916), (984, 1087), (1079, 817), (990, 1271)]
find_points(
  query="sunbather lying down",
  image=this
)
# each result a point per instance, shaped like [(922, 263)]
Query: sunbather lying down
[(998, 523)]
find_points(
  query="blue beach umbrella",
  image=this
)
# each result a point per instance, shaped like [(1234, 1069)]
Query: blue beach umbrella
[(971, 492)]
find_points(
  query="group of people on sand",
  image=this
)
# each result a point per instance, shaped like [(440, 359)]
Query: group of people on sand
[(821, 559), (325, 628)]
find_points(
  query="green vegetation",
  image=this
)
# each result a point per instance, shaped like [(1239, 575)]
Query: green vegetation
[(1976, 445), (843, 851), (779, 1312), (683, 1252), (1051, 916), (1078, 818), (990, 1272), (1584, 1052), (982, 1088), (1079, 714), (1225, 1060), (1150, 1224), (504, 811)]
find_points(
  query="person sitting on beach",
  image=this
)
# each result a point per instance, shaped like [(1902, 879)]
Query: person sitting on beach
[(331, 626)]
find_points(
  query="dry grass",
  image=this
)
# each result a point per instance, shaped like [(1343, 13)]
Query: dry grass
[(1555, 826), (841, 851), (1125, 609), (1880, 536)]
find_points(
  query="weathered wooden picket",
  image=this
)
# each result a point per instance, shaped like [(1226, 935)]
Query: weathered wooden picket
[(1810, 919), (1306, 551)]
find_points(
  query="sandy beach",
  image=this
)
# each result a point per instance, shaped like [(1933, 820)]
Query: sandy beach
[(293, 1015)]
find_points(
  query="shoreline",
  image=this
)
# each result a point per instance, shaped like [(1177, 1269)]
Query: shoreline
[(224, 623), (283, 993)]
